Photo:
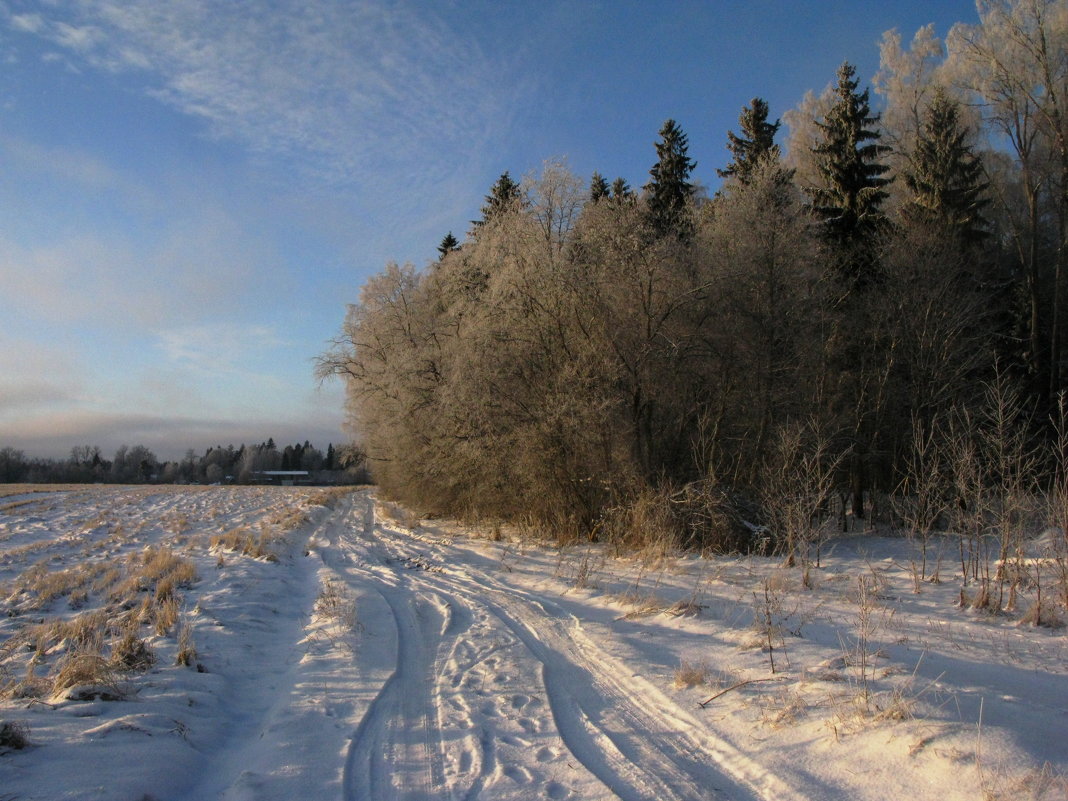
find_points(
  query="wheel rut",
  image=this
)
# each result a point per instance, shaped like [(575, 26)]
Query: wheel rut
[(465, 641)]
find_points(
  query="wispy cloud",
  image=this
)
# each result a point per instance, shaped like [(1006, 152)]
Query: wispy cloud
[(27, 23), (86, 172), (216, 348), (353, 88), (35, 376), (186, 269)]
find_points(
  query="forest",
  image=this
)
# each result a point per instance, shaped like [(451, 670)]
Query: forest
[(138, 464), (864, 323)]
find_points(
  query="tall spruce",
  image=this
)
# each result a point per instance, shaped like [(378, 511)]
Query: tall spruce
[(599, 188), (945, 178), (505, 195), (449, 243), (849, 201), (621, 190), (756, 143), (670, 191)]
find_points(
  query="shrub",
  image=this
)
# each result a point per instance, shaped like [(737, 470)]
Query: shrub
[(14, 735), (131, 653)]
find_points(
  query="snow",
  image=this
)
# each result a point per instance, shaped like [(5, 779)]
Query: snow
[(376, 661)]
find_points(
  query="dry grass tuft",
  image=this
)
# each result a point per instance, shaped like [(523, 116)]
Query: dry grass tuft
[(686, 607), (692, 674), (166, 615), (88, 669), (14, 735), (329, 497), (289, 519), (241, 540), (187, 652), (1038, 783), (131, 653), (397, 514), (782, 708), (640, 604)]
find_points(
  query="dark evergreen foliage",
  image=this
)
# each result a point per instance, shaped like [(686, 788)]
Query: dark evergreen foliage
[(448, 244), (669, 193), (599, 187), (505, 195), (756, 143), (945, 177), (218, 465), (621, 190), (849, 202)]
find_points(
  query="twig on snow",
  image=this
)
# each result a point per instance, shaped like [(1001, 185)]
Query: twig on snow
[(705, 703)]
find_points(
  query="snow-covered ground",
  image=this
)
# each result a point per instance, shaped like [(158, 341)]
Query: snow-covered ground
[(349, 656)]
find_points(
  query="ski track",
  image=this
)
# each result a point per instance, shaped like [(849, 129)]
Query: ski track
[(652, 751)]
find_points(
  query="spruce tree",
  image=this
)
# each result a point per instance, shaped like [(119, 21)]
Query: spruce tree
[(621, 190), (669, 192), (448, 244), (945, 177), (849, 201), (599, 187), (756, 143), (505, 195)]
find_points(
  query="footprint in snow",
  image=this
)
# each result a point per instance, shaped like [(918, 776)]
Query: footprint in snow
[(529, 726), (556, 791), (518, 774)]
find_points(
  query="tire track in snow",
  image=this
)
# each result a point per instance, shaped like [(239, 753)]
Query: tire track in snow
[(647, 748), (396, 751), (599, 725)]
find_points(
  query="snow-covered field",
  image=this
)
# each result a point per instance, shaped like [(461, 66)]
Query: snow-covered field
[(346, 655)]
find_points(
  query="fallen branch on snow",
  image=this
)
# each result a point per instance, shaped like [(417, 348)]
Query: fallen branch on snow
[(705, 703)]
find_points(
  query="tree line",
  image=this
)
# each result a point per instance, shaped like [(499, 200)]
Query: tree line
[(217, 465), (603, 361)]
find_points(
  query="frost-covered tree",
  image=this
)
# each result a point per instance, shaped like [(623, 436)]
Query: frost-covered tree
[(907, 81), (1014, 65), (944, 177)]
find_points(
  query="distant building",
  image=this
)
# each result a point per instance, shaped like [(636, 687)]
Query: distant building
[(285, 478)]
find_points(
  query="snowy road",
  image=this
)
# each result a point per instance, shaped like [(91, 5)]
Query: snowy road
[(487, 676)]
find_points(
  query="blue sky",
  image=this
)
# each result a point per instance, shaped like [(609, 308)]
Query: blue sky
[(191, 191)]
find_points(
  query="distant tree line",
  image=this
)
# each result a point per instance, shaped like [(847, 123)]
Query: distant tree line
[(600, 360), (139, 465)]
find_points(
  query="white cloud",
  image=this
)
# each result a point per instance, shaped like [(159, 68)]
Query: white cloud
[(354, 88), (187, 270), (81, 40), (87, 172), (27, 23)]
